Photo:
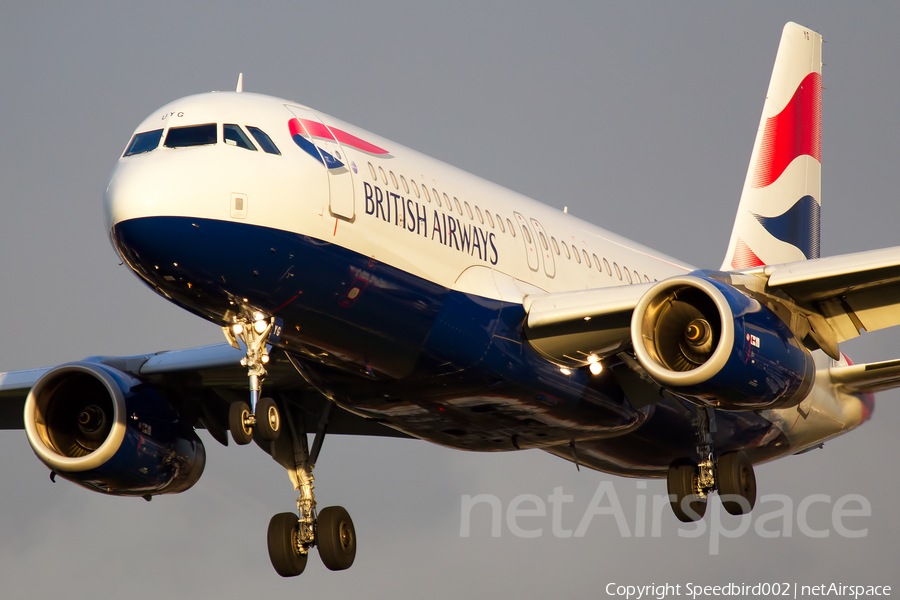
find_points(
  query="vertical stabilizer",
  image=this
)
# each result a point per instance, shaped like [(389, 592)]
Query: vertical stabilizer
[(778, 217)]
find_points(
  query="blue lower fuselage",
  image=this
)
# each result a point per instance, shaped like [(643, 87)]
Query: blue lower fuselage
[(441, 365)]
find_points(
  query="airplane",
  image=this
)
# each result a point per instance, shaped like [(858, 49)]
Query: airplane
[(366, 289)]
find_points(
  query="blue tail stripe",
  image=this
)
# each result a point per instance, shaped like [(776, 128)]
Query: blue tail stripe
[(798, 226)]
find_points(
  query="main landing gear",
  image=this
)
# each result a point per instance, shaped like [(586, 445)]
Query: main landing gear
[(255, 331), (731, 474), (291, 536)]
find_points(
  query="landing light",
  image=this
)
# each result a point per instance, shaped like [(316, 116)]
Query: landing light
[(595, 368), (565, 371), (259, 326), (592, 358), (237, 328), (265, 358)]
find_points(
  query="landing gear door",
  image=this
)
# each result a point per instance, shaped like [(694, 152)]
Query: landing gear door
[(317, 140), (530, 246)]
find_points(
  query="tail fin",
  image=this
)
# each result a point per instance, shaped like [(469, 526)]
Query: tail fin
[(778, 217)]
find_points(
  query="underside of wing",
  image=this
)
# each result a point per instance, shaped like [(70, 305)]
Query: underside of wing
[(207, 379), (572, 327), (852, 292)]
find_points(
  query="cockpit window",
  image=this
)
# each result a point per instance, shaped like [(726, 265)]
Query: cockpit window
[(193, 135), (263, 140), (143, 142), (233, 136)]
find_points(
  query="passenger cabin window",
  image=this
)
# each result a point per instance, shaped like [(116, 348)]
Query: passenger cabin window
[(478, 212), (192, 135), (565, 247), (264, 141), (405, 185), (372, 171), (233, 136), (394, 180), (143, 142), (576, 255), (491, 221), (587, 260), (468, 209), (555, 245)]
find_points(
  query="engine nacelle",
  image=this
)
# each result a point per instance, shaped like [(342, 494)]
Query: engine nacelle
[(110, 432), (710, 343)]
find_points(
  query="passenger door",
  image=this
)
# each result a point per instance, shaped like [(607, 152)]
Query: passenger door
[(530, 246), (321, 144)]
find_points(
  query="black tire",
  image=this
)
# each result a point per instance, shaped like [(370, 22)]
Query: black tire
[(737, 482), (336, 538), (283, 551), (268, 419), (237, 416), (686, 504)]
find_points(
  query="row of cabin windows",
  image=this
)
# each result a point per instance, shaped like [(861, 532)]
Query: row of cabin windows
[(201, 135), (441, 199), (412, 187)]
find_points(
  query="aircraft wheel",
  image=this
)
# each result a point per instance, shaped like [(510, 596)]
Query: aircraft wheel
[(736, 481), (268, 420), (284, 552), (681, 485), (336, 538), (238, 414)]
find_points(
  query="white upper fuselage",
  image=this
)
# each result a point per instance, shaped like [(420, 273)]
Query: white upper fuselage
[(296, 193)]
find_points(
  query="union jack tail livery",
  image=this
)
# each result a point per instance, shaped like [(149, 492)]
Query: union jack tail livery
[(778, 216)]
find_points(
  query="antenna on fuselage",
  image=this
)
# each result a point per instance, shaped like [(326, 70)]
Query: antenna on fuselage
[(240, 85)]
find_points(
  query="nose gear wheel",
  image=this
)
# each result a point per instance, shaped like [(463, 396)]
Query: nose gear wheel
[(255, 331)]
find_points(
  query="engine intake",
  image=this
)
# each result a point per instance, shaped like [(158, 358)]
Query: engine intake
[(110, 432), (715, 345)]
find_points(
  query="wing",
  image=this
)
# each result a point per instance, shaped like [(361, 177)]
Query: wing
[(853, 292), (210, 375), (837, 296)]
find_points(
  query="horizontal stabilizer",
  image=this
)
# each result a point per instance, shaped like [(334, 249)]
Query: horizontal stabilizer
[(867, 378)]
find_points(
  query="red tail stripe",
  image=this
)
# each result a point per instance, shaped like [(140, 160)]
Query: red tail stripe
[(795, 131), (744, 257)]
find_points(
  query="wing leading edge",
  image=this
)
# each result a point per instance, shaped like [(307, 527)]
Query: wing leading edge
[(210, 375)]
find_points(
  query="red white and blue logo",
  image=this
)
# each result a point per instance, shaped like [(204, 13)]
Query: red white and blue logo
[(305, 133)]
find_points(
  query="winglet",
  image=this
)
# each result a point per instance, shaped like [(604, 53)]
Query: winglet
[(778, 216), (240, 85)]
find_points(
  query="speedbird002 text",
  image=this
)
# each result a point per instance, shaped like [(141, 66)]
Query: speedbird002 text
[(364, 288)]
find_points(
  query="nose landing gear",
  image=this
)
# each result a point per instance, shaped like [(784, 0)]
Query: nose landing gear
[(255, 331)]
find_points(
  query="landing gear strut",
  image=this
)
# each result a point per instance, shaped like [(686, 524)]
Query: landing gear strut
[(732, 475), (290, 536), (255, 331)]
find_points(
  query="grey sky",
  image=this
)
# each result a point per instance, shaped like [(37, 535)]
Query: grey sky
[(638, 116)]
